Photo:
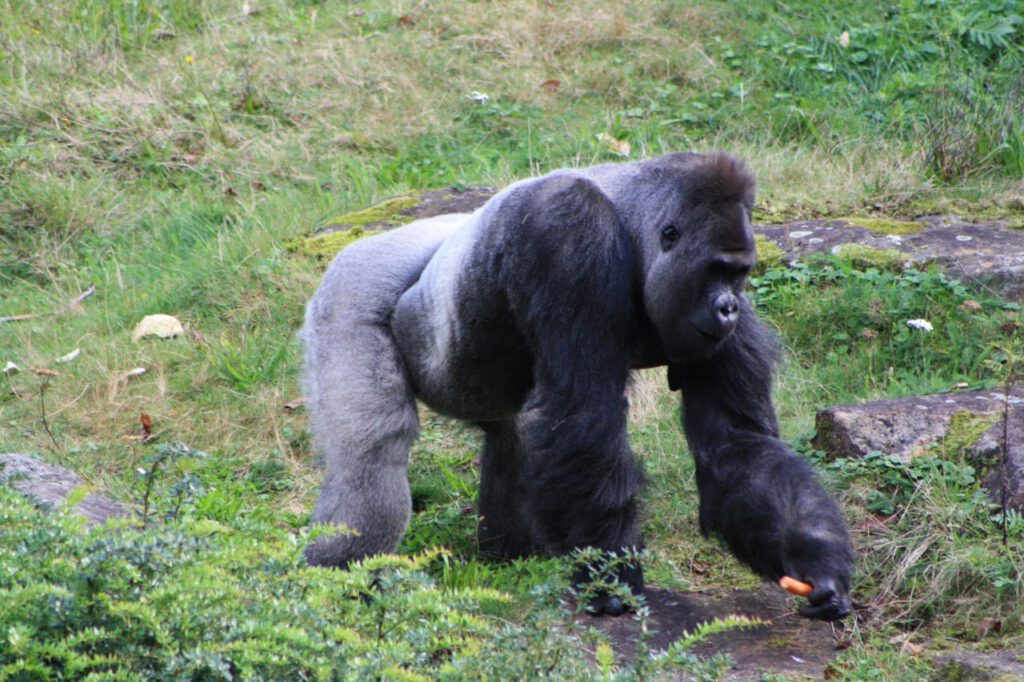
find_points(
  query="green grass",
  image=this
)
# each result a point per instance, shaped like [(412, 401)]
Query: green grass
[(168, 152)]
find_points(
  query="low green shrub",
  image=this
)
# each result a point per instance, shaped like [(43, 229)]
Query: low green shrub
[(200, 600)]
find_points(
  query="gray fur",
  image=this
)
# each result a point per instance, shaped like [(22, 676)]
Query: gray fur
[(362, 408)]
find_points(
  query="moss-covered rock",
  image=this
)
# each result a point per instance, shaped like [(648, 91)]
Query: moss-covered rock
[(769, 254), (862, 256), (328, 244), (965, 430), (885, 225), (338, 231), (389, 212)]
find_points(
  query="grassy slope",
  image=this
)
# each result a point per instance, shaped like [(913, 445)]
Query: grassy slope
[(165, 151)]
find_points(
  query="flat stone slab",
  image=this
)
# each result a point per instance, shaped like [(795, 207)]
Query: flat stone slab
[(48, 486), (787, 643), (811, 237), (907, 427), (987, 253), (997, 666)]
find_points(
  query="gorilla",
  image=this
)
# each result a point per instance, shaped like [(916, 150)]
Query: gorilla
[(526, 318)]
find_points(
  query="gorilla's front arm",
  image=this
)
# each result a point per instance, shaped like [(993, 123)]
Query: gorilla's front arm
[(756, 494), (523, 324)]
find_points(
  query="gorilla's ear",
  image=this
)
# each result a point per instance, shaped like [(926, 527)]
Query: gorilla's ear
[(675, 377)]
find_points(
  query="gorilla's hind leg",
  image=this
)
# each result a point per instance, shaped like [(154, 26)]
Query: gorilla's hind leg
[(503, 532), (364, 420)]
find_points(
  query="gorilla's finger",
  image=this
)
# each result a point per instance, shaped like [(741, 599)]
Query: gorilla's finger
[(835, 609)]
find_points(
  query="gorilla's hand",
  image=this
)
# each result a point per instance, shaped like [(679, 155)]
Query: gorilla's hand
[(829, 601), (829, 576)]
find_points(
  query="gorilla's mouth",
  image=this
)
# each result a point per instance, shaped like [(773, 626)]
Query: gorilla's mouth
[(714, 338)]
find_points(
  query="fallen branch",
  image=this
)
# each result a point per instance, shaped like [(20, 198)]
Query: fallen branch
[(73, 303)]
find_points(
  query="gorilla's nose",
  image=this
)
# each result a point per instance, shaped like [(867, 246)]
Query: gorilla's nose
[(727, 312)]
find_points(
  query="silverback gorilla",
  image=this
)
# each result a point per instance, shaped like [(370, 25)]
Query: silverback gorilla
[(526, 318)]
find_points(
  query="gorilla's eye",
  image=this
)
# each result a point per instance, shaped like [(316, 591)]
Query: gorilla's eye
[(669, 236)]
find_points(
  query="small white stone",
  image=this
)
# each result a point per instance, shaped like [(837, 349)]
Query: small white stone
[(815, 240), (800, 234), (11, 368), (963, 238)]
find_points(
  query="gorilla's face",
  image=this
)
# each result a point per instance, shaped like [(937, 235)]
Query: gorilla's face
[(695, 277)]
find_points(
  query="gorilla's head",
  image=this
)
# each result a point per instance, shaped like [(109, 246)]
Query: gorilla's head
[(697, 248)]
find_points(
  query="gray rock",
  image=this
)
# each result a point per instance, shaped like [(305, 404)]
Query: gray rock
[(48, 486), (809, 237), (987, 253), (999, 666), (1003, 475), (906, 427)]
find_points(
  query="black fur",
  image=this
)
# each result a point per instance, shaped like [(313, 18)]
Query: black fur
[(527, 320)]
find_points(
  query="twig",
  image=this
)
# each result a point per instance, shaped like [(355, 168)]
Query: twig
[(42, 410), (67, 306), (18, 318), (81, 297)]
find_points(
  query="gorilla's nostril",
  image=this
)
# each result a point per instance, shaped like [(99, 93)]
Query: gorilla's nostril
[(727, 307)]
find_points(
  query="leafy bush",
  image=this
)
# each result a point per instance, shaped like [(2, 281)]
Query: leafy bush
[(197, 599), (205, 600)]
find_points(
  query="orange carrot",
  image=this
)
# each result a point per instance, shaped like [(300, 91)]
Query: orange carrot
[(794, 586)]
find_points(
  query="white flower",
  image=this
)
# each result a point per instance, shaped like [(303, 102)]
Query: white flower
[(478, 97), (923, 325), (844, 39)]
